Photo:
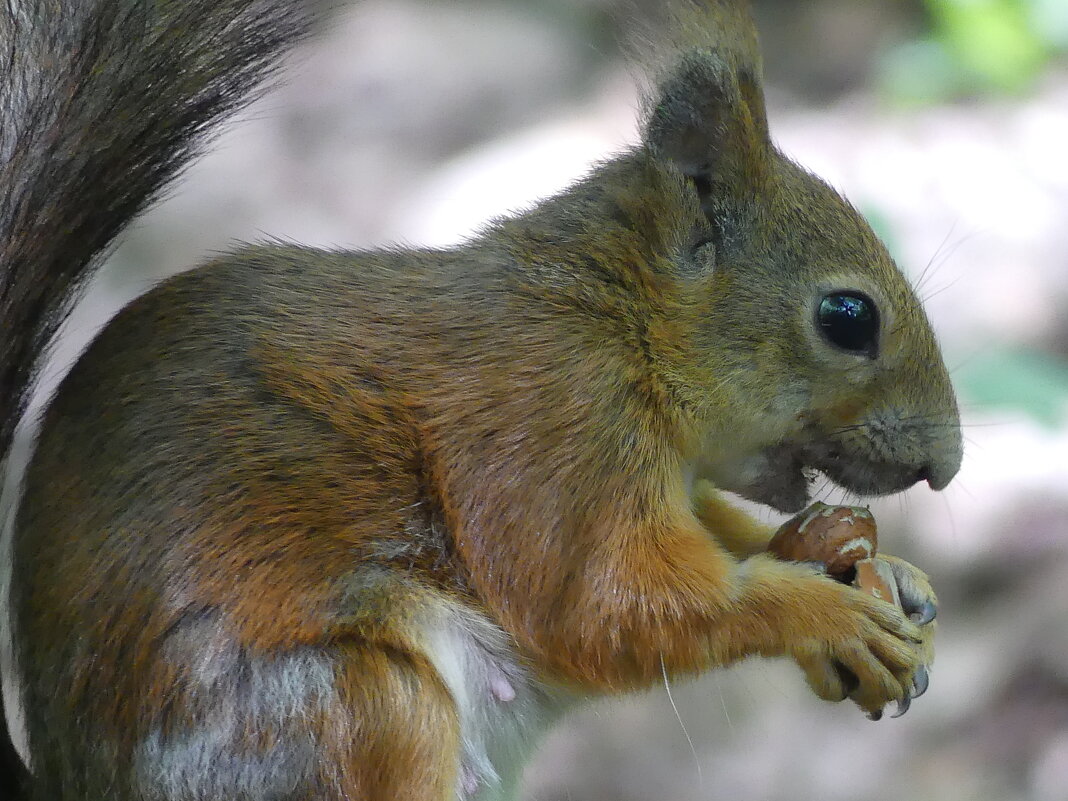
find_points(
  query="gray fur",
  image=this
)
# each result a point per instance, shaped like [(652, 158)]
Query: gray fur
[(238, 698)]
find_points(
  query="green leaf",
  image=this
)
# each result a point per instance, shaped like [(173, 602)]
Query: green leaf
[(991, 39)]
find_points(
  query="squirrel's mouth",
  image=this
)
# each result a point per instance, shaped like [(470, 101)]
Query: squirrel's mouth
[(782, 476), (777, 476), (862, 474)]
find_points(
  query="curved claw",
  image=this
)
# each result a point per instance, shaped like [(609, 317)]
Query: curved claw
[(924, 614), (876, 715), (902, 706), (921, 682)]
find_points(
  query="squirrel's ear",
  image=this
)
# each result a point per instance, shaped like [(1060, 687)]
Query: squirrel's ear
[(709, 121)]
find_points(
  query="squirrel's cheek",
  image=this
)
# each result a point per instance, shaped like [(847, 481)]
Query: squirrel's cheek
[(847, 412)]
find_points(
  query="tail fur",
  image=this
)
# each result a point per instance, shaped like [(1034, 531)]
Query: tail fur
[(102, 104)]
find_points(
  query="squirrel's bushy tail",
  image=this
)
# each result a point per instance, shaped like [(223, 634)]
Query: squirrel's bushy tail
[(102, 103)]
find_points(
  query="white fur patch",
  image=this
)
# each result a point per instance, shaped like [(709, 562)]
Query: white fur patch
[(503, 709)]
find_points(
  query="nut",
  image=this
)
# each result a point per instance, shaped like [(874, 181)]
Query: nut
[(838, 536)]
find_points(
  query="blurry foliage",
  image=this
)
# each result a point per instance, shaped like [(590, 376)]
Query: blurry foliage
[(1017, 379), (977, 46), (958, 48)]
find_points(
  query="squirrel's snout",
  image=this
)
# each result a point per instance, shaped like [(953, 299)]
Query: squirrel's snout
[(889, 452)]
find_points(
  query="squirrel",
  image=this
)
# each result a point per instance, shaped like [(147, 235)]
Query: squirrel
[(335, 525)]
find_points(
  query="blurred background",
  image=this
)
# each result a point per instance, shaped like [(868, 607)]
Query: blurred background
[(946, 122)]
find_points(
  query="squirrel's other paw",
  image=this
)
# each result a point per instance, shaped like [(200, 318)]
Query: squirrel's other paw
[(920, 604), (914, 586)]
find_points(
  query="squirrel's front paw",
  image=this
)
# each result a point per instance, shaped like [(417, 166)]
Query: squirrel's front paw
[(848, 643), (873, 660)]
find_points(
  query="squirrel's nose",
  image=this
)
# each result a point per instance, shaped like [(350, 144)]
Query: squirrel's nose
[(938, 475), (944, 455)]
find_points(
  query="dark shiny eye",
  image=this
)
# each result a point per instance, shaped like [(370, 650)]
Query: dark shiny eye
[(850, 321)]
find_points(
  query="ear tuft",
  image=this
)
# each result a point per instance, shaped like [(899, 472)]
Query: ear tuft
[(710, 122), (707, 114)]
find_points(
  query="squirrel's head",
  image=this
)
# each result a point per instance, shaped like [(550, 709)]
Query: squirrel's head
[(813, 352)]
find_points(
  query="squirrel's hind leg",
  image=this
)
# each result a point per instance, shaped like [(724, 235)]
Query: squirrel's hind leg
[(398, 733)]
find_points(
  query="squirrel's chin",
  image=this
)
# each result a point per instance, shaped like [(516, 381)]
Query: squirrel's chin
[(783, 496), (783, 482)]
